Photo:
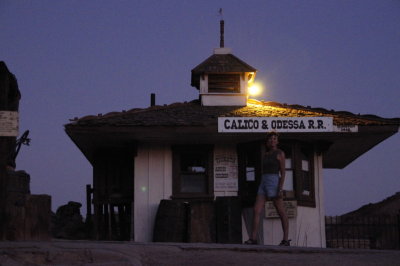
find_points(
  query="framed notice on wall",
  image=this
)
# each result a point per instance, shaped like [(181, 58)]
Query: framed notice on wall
[(8, 124), (225, 171), (290, 208)]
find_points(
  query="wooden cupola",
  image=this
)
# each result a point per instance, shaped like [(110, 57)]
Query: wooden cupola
[(222, 79)]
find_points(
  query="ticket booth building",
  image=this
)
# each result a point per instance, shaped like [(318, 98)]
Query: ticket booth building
[(211, 148)]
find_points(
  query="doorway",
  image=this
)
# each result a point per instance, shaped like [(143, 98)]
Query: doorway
[(250, 167), (113, 176), (249, 163)]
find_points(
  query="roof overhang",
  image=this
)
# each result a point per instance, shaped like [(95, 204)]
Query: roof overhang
[(339, 148)]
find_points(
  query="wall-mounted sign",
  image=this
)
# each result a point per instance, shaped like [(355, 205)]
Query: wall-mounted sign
[(225, 170), (278, 124), (290, 208), (8, 124), (346, 128), (250, 174)]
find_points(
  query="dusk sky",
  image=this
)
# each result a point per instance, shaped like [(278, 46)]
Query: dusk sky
[(75, 58)]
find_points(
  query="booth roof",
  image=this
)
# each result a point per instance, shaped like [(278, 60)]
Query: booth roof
[(222, 63), (193, 114), (219, 63), (190, 123)]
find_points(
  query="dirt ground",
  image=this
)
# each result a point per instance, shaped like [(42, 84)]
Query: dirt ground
[(197, 254)]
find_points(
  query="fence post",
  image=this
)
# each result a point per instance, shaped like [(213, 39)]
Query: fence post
[(398, 229), (89, 216)]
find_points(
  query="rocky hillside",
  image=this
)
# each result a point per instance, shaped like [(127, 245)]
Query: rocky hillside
[(388, 206)]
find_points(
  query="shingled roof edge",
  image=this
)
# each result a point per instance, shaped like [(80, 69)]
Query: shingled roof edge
[(333, 113), (322, 110), (206, 61)]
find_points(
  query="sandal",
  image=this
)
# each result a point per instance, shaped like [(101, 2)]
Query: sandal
[(251, 242), (285, 243)]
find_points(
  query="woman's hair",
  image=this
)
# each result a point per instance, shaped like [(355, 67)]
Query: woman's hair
[(272, 133)]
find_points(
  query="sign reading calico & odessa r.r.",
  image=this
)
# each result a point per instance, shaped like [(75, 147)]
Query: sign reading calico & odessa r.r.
[(278, 124)]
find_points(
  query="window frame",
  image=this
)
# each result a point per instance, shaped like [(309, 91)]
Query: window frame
[(201, 150), (299, 180)]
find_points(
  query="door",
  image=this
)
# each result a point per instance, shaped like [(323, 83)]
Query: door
[(249, 162)]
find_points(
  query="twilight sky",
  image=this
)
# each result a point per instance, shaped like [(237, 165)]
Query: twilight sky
[(75, 58)]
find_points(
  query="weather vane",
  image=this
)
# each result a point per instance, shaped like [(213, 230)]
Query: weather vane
[(221, 29)]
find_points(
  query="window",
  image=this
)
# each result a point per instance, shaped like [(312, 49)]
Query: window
[(224, 83), (192, 171), (305, 191), (299, 171), (299, 178), (288, 186)]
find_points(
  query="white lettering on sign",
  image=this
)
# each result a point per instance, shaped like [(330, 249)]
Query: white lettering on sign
[(8, 124), (278, 124), (346, 128)]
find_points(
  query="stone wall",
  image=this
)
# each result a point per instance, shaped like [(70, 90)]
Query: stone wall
[(27, 216)]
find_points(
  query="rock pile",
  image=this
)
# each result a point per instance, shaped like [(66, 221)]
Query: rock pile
[(67, 222)]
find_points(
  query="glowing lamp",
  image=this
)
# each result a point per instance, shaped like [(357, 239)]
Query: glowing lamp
[(255, 89)]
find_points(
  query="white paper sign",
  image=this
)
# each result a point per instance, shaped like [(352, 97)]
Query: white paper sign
[(225, 171), (250, 174), (8, 124), (278, 124)]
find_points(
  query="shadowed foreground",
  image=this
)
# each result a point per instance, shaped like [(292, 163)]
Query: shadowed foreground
[(129, 253)]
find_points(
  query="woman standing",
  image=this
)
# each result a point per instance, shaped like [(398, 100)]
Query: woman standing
[(271, 187)]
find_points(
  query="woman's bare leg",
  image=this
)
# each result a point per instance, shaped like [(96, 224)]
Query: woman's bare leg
[(278, 202), (258, 207)]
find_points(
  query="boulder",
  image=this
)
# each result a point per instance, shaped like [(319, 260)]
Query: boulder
[(67, 222)]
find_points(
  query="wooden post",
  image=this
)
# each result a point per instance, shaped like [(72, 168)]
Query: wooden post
[(7, 103), (2, 193), (88, 202), (398, 229), (109, 224), (89, 217)]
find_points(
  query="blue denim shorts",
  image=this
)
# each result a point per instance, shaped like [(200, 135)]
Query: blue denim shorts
[(269, 185)]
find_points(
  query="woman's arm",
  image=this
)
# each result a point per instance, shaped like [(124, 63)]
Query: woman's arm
[(281, 159)]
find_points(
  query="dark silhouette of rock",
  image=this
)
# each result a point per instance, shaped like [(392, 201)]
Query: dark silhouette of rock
[(388, 206), (68, 222)]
